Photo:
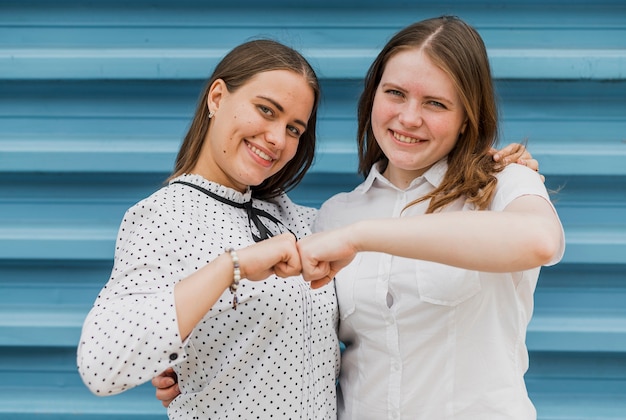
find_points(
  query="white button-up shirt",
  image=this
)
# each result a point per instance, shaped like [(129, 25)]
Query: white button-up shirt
[(425, 340)]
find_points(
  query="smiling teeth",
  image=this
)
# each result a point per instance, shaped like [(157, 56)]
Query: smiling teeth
[(260, 153), (405, 139)]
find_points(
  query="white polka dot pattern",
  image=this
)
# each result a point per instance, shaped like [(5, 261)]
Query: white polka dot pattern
[(276, 356)]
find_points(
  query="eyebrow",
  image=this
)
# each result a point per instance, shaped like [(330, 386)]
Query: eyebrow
[(281, 109)]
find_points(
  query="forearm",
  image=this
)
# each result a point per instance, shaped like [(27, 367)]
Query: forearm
[(484, 241), (196, 294)]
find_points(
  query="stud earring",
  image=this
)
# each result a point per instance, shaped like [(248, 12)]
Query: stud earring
[(211, 113)]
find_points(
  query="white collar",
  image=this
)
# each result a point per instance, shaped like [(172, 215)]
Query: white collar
[(434, 175)]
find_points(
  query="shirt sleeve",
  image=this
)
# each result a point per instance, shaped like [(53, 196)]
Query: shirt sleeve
[(131, 333), (515, 181)]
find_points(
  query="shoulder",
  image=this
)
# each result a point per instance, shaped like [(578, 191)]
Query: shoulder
[(340, 209), (286, 205), (343, 201), (166, 204), (149, 205), (297, 217), (515, 181)]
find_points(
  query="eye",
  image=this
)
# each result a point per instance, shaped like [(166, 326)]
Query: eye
[(437, 104), (265, 110), (394, 92), (295, 131)]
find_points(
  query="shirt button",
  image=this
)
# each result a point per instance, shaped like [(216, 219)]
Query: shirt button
[(173, 356)]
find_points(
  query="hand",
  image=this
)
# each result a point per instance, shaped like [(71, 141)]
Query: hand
[(166, 385), (516, 153), (324, 254), (277, 255)]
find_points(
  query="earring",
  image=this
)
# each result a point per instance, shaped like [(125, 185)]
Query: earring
[(211, 113)]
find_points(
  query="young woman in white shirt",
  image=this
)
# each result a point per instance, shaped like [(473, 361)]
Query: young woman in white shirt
[(435, 257)]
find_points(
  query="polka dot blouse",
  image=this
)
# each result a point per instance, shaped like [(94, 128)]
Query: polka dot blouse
[(275, 356)]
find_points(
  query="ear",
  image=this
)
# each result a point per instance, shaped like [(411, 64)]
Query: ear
[(215, 95), (463, 127)]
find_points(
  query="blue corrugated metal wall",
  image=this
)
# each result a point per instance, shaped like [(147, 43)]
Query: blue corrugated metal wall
[(96, 95)]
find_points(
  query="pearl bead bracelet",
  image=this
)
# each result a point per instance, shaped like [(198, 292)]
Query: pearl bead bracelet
[(236, 276)]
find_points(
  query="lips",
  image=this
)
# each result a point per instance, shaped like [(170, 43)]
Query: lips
[(260, 153)]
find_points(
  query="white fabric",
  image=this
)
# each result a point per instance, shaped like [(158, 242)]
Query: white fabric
[(277, 354), (425, 340)]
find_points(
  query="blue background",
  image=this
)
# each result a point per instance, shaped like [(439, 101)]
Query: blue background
[(95, 97)]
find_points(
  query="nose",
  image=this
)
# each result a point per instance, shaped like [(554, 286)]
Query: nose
[(410, 116), (276, 136)]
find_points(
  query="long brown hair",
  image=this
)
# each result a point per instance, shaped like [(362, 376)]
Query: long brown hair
[(235, 69), (457, 49)]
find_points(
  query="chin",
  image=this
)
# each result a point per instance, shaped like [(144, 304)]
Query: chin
[(258, 181)]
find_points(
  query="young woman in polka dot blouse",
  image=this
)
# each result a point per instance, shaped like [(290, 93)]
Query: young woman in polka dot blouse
[(267, 348)]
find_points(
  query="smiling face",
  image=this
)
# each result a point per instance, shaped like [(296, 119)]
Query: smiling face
[(255, 129), (417, 115)]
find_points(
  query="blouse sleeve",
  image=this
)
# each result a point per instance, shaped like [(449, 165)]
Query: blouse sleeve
[(131, 333)]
